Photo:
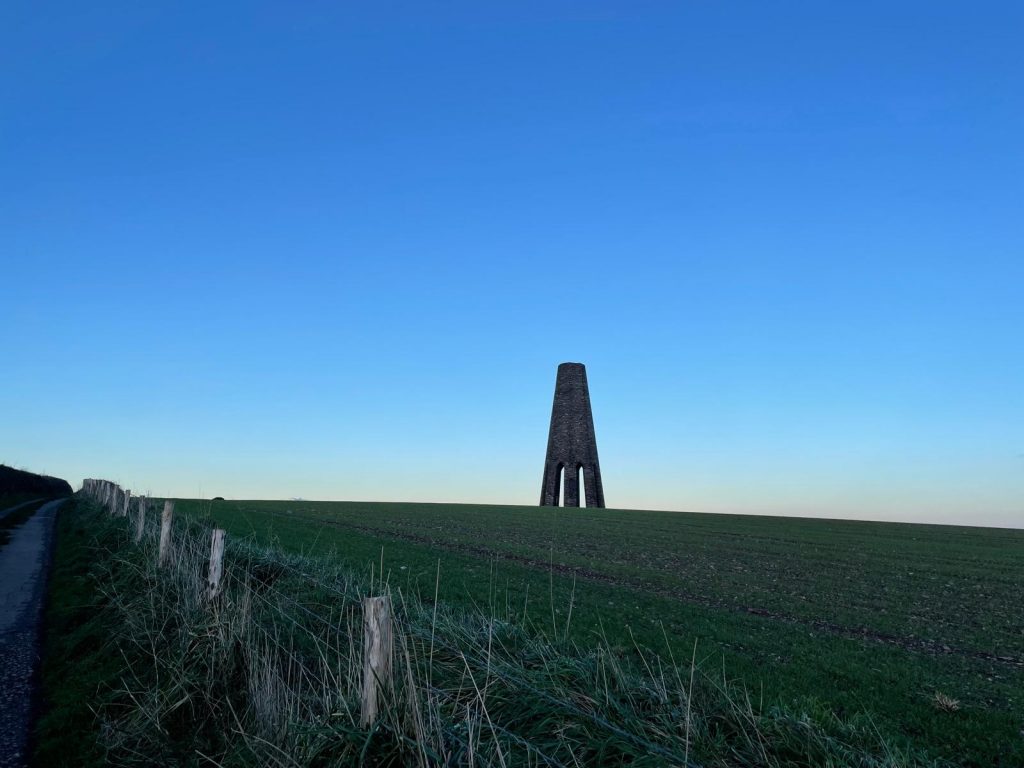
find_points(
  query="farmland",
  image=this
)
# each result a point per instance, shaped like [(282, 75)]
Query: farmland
[(888, 619), (530, 636)]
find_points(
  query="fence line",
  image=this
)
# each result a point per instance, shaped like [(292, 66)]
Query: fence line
[(509, 677), (377, 646)]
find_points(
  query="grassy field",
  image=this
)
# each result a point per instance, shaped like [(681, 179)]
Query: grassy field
[(894, 621)]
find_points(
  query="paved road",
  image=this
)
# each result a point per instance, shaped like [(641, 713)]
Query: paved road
[(24, 564)]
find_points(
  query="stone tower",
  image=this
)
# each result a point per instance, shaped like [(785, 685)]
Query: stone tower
[(571, 443)]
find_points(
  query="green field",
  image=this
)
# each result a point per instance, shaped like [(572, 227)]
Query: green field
[(877, 618)]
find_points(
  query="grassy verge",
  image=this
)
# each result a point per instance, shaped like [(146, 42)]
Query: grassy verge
[(13, 499), (141, 669), (80, 662), (11, 521)]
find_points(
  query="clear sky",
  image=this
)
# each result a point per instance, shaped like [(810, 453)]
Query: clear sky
[(337, 250)]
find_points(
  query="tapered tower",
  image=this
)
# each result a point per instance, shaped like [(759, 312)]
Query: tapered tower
[(572, 446)]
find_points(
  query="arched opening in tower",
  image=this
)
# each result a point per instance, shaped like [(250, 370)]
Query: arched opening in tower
[(583, 484)]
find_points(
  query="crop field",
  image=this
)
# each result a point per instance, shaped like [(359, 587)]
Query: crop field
[(920, 628)]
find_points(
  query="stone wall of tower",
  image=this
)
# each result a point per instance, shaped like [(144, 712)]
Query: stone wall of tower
[(572, 445)]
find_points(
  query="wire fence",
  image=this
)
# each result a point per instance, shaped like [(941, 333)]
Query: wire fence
[(459, 688)]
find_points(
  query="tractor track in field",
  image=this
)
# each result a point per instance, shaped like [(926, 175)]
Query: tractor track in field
[(915, 644)]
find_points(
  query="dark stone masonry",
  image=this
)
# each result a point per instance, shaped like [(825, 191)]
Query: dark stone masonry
[(572, 446)]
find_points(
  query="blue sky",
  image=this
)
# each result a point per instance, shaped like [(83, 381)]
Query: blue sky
[(337, 250)]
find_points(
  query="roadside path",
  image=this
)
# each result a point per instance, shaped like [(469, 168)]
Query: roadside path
[(24, 563)]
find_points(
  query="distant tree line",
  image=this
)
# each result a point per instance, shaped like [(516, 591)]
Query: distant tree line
[(18, 482)]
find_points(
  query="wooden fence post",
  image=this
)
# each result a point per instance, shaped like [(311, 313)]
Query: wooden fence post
[(216, 563), (140, 519), (376, 654), (165, 533)]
